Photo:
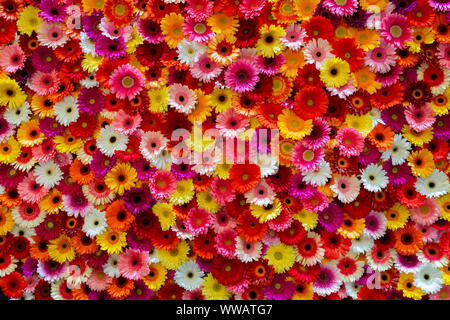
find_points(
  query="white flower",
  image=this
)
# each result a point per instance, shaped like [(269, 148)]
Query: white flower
[(66, 111), (182, 98), (398, 152), (247, 252), (433, 186), (189, 51), (111, 266), (374, 178), (268, 164), (110, 140), (189, 276), (18, 115), (346, 188), (318, 177), (87, 45), (152, 143), (428, 278), (362, 244), (48, 174), (94, 223)]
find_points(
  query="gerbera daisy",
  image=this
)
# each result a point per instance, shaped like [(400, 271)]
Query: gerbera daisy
[(126, 82)]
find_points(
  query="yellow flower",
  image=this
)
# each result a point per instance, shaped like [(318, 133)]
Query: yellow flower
[(269, 44), (335, 72), (351, 228), (374, 6), (397, 216), (112, 241), (91, 63), (309, 219), (294, 61), (29, 20), (223, 170), (90, 5), (406, 285), (183, 193), (6, 221), (135, 40), (361, 123), (421, 163), (159, 99), (441, 103), (292, 126), (365, 79), (166, 215), (419, 36), (122, 177), (61, 249), (417, 138), (172, 28), (223, 23), (202, 109), (444, 203), (29, 133), (213, 290), (305, 8), (206, 201), (9, 150), (281, 257), (173, 259), (67, 143), (156, 277), (268, 212), (11, 94), (221, 99), (366, 39)]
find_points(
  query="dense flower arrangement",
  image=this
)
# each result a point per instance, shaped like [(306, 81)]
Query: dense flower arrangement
[(349, 200)]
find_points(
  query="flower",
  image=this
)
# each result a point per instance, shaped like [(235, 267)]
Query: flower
[(126, 82)]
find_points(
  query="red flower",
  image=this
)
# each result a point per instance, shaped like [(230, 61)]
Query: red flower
[(303, 273), (203, 245), (408, 196), (318, 27), (308, 75), (244, 177), (260, 273), (334, 244), (84, 127), (20, 247), (171, 291), (310, 102), (249, 228), (227, 271), (293, 234), (347, 49), (13, 284)]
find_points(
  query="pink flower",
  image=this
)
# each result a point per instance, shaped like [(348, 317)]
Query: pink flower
[(126, 82), (395, 29), (351, 142), (125, 123), (12, 58), (241, 76), (132, 264), (306, 159), (198, 221), (231, 123)]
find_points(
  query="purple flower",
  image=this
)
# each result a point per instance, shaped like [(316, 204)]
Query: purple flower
[(279, 288), (300, 189), (43, 59), (91, 24), (331, 217), (50, 127), (370, 154), (101, 164), (112, 49), (91, 101), (397, 175), (144, 170), (52, 10), (394, 117), (137, 200)]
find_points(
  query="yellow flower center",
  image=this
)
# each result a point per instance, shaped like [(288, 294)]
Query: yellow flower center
[(127, 82), (200, 28), (278, 255), (308, 155), (120, 10), (396, 31)]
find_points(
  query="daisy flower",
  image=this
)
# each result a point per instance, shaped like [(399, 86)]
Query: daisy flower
[(374, 178), (428, 278), (346, 187), (435, 185), (110, 140), (231, 123), (182, 98), (126, 82), (189, 276), (241, 76), (317, 51)]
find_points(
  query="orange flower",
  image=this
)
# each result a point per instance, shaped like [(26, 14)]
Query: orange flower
[(244, 177), (408, 240), (81, 173), (118, 217), (381, 136), (441, 28), (119, 12), (387, 97), (84, 245)]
